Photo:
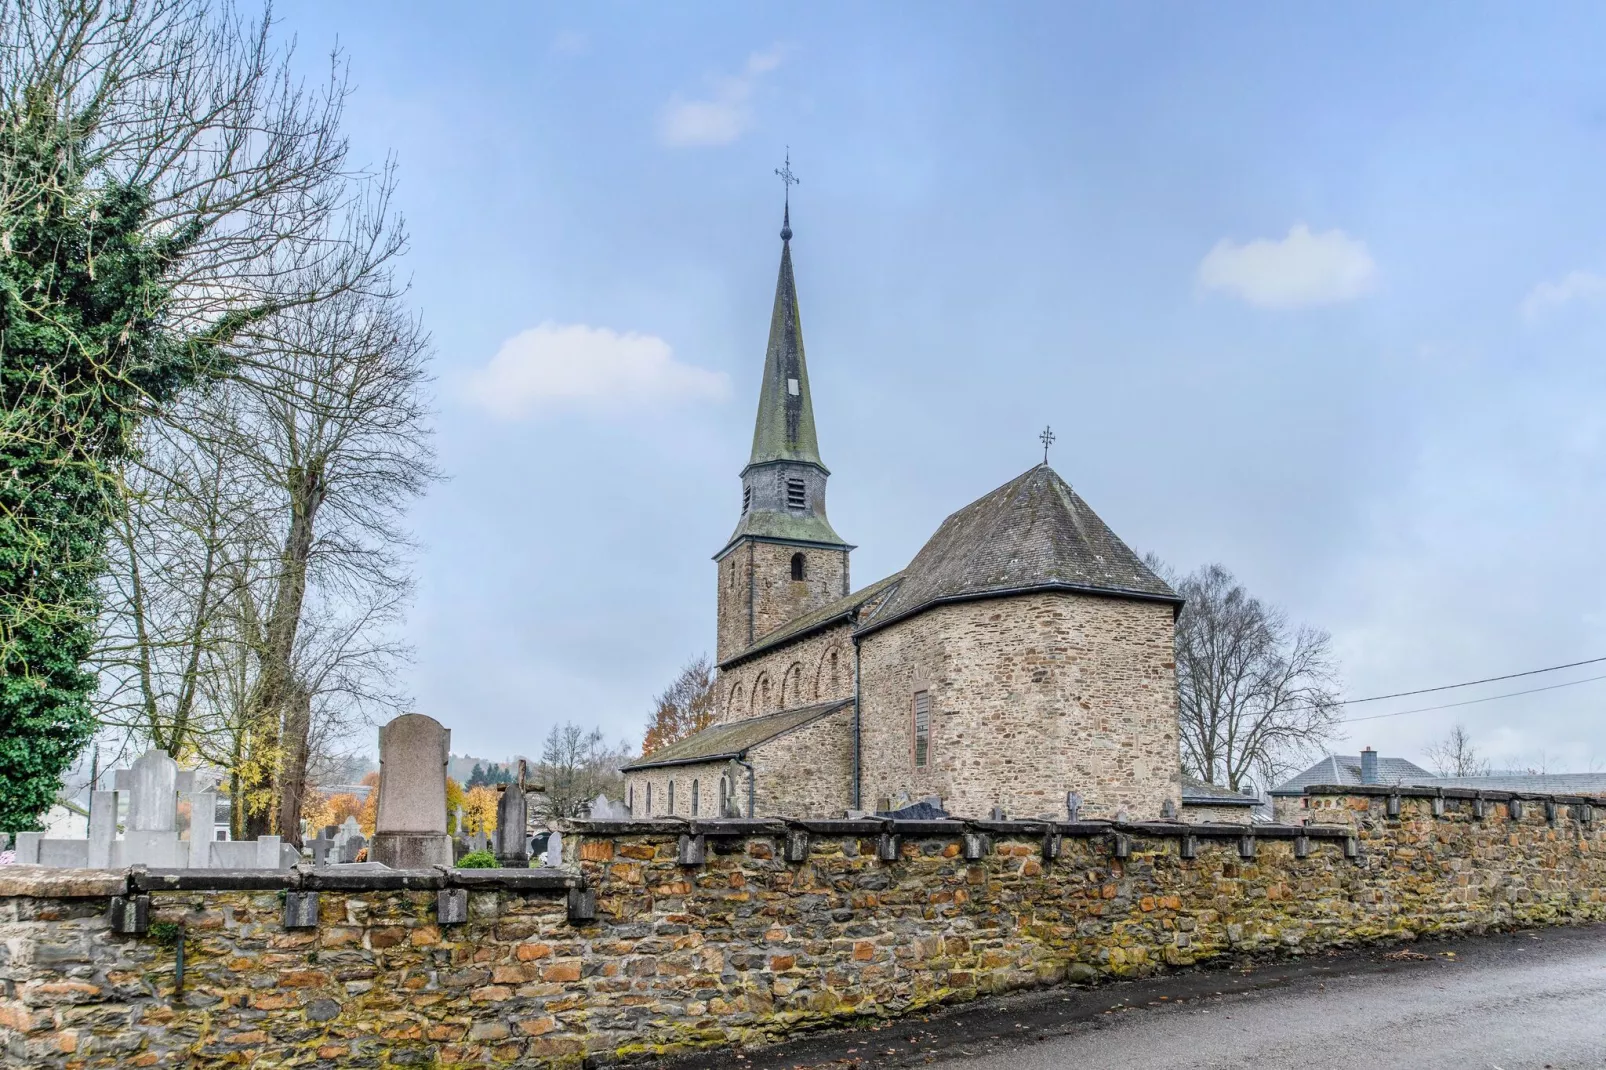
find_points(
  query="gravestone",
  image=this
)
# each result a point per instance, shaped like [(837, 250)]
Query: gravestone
[(512, 847), (153, 793), (410, 829), (554, 850), (1073, 806), (102, 828), (319, 845), (151, 836), (352, 847), (26, 848), (203, 828)]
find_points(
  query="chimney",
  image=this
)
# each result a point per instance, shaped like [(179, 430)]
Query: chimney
[(1369, 767)]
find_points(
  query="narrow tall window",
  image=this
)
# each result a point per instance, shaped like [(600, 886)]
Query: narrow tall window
[(649, 799), (799, 566), (834, 681), (796, 494), (694, 798), (630, 798), (671, 798), (922, 708), (724, 796), (747, 498)]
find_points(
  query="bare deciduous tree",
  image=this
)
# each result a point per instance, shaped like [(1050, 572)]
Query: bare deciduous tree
[(1454, 755), (1255, 694), (576, 766)]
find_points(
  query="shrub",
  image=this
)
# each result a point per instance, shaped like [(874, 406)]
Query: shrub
[(477, 860)]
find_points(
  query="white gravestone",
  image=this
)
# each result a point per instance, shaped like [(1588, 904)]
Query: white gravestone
[(410, 828)]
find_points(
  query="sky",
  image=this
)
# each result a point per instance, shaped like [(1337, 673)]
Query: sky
[(1315, 293)]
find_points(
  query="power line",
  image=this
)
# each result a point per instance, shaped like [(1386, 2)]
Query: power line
[(1475, 701), (1474, 683)]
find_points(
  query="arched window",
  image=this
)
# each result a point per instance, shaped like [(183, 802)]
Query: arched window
[(799, 564), (694, 798), (649, 798), (733, 709), (671, 798), (630, 798), (761, 695), (724, 796), (834, 680)]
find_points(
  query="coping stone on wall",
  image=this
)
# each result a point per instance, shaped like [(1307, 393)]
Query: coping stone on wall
[(215, 880), (541, 879), (46, 882)]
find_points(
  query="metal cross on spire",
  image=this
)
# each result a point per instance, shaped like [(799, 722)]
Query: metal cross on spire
[(1047, 439), (787, 177)]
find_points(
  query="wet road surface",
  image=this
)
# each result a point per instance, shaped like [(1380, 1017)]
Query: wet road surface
[(1521, 1001)]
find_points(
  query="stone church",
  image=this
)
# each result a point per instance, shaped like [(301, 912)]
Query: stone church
[(1024, 654)]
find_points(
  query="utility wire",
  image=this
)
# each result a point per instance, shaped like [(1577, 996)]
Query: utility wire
[(1473, 701), (1473, 683)]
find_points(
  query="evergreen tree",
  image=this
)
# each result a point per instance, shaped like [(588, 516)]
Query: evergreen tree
[(476, 776), (83, 346)]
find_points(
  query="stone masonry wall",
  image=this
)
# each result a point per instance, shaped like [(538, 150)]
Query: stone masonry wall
[(807, 661), (774, 598), (1032, 696), (708, 934), (704, 774), (806, 772)]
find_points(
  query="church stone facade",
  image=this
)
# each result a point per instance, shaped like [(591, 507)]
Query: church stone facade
[(1025, 654)]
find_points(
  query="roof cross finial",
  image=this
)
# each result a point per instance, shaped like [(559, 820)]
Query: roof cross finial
[(787, 177), (1047, 439)]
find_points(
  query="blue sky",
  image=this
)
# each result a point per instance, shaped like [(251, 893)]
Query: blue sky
[(1319, 294)]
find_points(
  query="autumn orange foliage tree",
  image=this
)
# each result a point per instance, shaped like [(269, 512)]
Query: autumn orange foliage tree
[(685, 707)]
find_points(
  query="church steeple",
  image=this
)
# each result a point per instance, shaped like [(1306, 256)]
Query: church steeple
[(784, 430), (791, 560)]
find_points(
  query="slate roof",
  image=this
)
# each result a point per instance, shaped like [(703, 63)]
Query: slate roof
[(1033, 533), (786, 526), (1197, 792), (1346, 769), (722, 742), (784, 430), (843, 609), (1544, 783)]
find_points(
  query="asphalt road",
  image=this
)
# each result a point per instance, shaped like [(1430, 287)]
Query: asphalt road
[(1523, 1001)]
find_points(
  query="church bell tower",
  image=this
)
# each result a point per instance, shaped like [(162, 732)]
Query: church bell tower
[(784, 559)]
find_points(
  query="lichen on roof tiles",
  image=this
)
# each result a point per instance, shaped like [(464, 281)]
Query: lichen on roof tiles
[(1034, 532), (722, 742)]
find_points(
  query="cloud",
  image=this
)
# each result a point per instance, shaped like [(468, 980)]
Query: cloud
[(722, 118), (1300, 271), (571, 43), (1576, 286), (557, 365)]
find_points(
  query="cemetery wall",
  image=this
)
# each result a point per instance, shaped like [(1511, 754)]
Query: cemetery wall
[(720, 932)]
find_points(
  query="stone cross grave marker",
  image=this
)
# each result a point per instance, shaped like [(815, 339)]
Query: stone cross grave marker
[(320, 845), (410, 830)]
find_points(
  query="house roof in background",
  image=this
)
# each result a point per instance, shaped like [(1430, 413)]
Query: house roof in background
[(1197, 792), (1346, 769), (1553, 783)]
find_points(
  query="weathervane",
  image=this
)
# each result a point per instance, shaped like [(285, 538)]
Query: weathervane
[(786, 176), (1047, 439)]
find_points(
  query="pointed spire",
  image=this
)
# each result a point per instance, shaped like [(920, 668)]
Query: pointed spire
[(784, 430)]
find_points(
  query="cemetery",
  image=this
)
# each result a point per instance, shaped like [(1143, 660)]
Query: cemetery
[(160, 817)]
